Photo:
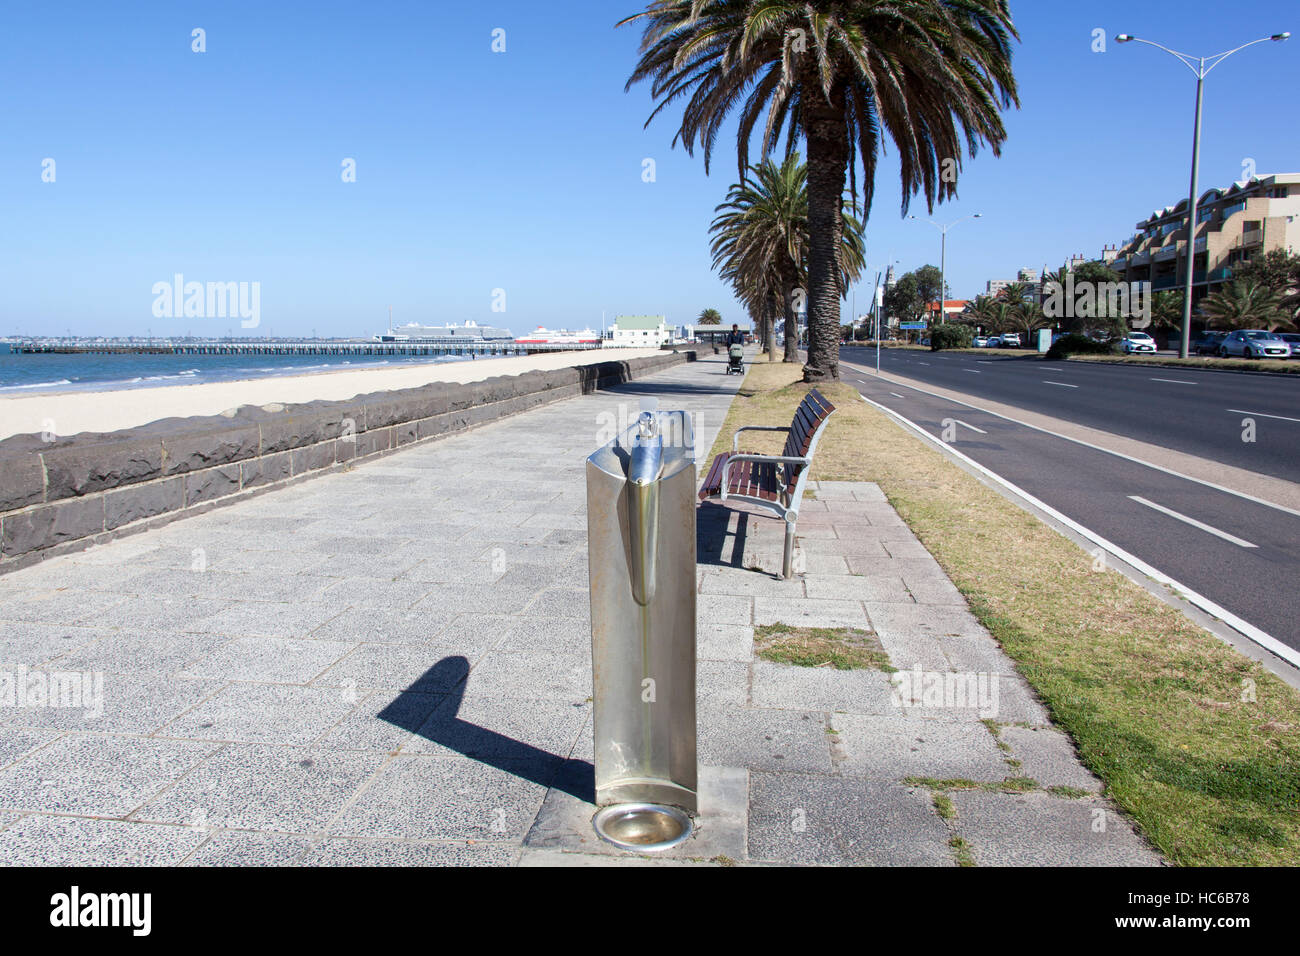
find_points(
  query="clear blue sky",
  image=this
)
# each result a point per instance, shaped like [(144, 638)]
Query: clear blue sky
[(522, 170)]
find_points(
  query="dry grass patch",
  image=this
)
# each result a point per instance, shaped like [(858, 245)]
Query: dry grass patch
[(1197, 743), (842, 648)]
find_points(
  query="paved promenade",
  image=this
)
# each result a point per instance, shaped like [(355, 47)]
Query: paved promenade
[(391, 665)]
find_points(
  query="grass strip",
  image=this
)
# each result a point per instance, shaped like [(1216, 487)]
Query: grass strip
[(1276, 366), (1199, 745)]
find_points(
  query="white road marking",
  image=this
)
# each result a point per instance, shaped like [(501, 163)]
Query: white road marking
[(922, 363), (1262, 415), (1062, 384), (1110, 451), (1175, 381), (971, 427), (896, 395), (1272, 644), (975, 370), (1194, 523)]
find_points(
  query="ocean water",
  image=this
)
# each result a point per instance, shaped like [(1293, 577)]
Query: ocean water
[(29, 374)]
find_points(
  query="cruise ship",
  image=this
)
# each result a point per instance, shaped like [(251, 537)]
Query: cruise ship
[(541, 336), (468, 334)]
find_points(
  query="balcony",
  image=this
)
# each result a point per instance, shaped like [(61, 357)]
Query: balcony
[(1252, 237), (1140, 258), (1165, 253), (1161, 283)]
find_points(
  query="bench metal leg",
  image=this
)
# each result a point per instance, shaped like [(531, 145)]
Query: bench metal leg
[(788, 560)]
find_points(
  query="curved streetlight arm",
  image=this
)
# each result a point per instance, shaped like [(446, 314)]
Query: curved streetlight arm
[(1220, 57), (944, 228), (1198, 65), (1185, 59)]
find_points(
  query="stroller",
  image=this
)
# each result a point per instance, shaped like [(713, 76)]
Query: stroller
[(736, 359)]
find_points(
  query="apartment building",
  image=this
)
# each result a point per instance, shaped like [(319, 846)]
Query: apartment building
[(1029, 277), (1247, 219)]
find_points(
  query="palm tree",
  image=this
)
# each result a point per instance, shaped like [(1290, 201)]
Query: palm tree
[(1246, 304), (932, 75), (761, 239), (1167, 311), (709, 317)]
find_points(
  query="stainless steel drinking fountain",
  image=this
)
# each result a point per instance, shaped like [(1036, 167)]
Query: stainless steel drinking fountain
[(641, 553)]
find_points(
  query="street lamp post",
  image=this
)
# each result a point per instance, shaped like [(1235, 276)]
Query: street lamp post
[(943, 258), (875, 304), (1197, 65)]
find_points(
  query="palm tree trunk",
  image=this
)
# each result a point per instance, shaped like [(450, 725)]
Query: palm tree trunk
[(828, 157), (769, 326), (791, 324)]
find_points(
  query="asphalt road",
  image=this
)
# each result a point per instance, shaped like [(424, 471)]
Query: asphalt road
[(1245, 556), (1188, 410)]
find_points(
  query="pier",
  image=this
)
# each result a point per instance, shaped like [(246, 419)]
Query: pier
[(302, 347)]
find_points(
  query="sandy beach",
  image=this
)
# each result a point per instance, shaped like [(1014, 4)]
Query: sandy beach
[(67, 413)]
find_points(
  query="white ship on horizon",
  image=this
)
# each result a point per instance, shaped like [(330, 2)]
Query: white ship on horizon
[(469, 333)]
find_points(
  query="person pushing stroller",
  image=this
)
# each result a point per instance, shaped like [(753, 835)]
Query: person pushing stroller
[(735, 350)]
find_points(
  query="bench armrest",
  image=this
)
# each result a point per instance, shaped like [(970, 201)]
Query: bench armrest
[(779, 459), (735, 439)]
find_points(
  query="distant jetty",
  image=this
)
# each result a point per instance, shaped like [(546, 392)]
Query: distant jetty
[(359, 347)]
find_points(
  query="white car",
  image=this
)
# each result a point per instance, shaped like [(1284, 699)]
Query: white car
[(1138, 342), (1254, 344), (980, 342), (1009, 340)]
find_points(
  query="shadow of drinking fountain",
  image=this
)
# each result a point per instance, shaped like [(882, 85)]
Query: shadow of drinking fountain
[(449, 677)]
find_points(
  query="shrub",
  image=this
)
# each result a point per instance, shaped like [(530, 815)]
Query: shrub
[(950, 336), (1075, 344)]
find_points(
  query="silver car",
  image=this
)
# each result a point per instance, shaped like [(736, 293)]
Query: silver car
[(1254, 344)]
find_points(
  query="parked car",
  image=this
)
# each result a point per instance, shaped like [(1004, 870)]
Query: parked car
[(1292, 339), (1208, 343), (980, 341), (1254, 344), (1138, 342), (1009, 340)]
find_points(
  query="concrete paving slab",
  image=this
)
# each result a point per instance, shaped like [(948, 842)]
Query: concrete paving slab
[(131, 704), (341, 852), (417, 797), (270, 660), (239, 848), (264, 713), (94, 775), (889, 747), (43, 841), (1048, 756), (764, 739), (16, 743), (1035, 829), (787, 687), (381, 626), (724, 642), (260, 787), (826, 820)]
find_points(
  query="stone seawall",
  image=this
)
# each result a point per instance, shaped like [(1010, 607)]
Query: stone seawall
[(66, 493)]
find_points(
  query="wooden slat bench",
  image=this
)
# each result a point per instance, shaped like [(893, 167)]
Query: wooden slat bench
[(775, 482)]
